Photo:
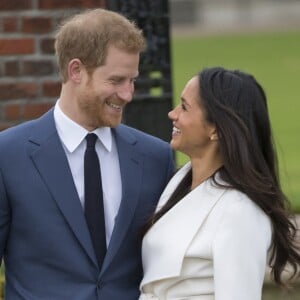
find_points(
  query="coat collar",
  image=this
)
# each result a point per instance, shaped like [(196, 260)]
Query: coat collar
[(131, 166), (48, 156), (168, 240)]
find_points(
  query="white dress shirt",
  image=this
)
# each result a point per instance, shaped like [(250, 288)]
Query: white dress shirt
[(72, 136)]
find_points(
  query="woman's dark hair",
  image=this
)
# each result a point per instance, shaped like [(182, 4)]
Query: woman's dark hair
[(236, 104)]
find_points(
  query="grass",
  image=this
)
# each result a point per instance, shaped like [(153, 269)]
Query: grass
[(274, 59)]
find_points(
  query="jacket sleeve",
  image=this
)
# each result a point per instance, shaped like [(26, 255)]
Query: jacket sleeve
[(240, 251), (171, 165)]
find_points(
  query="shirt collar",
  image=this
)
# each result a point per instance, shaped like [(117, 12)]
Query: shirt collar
[(72, 134)]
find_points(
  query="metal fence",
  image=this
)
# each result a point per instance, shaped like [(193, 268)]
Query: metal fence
[(153, 94)]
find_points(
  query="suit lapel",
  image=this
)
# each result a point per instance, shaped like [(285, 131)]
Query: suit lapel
[(131, 174), (174, 232), (51, 162)]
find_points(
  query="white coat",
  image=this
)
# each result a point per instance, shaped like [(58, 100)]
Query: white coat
[(213, 244)]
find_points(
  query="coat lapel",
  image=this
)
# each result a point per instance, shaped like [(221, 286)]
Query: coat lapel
[(168, 240), (131, 174), (49, 158)]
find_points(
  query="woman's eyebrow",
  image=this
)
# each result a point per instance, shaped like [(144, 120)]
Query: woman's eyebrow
[(183, 100)]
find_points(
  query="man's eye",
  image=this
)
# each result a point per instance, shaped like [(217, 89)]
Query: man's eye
[(115, 80)]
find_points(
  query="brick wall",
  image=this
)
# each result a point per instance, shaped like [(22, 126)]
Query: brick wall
[(29, 82)]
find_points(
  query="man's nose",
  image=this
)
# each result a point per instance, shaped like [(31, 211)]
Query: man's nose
[(126, 92)]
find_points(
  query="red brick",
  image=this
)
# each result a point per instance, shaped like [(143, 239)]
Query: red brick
[(51, 89), (5, 125), (47, 46), (17, 90), (59, 4), (11, 68), (16, 46), (10, 24), (38, 68), (36, 25), (36, 109), (12, 112), (15, 4)]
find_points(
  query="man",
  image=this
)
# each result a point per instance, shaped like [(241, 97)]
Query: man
[(45, 239)]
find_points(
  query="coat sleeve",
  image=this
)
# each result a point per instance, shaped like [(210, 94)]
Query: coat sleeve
[(240, 251)]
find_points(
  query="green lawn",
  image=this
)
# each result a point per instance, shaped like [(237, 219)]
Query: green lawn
[(274, 59)]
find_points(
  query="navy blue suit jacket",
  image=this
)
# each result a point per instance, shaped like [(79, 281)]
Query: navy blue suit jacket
[(44, 239)]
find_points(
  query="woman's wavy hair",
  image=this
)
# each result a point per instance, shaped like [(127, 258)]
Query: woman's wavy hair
[(236, 104)]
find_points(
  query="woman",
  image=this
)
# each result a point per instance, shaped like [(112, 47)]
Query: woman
[(222, 218)]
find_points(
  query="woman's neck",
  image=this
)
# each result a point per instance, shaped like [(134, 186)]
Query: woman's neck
[(203, 169)]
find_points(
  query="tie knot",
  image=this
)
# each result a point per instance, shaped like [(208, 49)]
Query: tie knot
[(91, 139)]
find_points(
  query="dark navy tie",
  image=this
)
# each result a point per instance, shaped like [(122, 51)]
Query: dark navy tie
[(94, 211)]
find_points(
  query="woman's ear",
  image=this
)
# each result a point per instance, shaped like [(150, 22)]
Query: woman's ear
[(213, 135), (75, 69)]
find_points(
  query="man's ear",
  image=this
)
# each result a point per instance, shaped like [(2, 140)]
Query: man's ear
[(75, 68)]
